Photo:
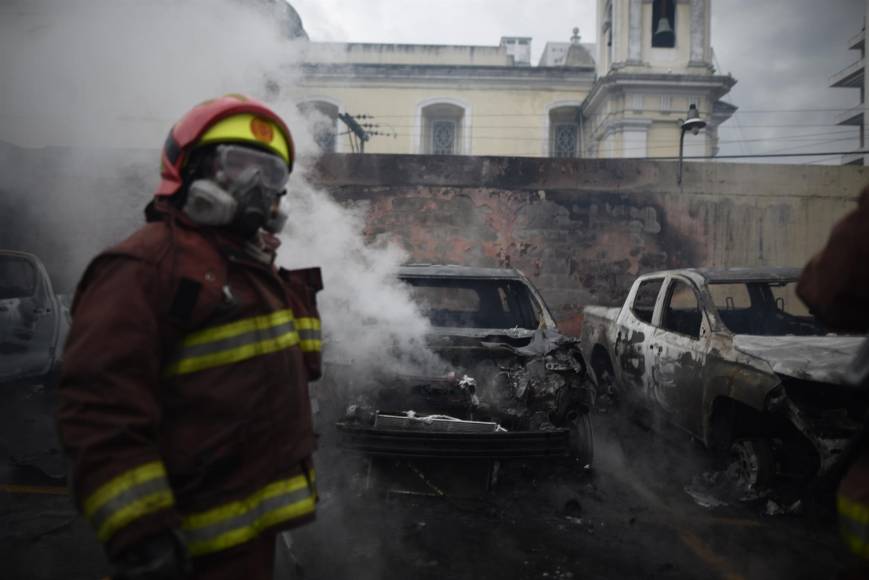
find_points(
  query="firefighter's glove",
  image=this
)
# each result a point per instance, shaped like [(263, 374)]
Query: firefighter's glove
[(162, 557)]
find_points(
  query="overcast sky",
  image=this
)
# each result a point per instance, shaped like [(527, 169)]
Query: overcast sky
[(781, 52)]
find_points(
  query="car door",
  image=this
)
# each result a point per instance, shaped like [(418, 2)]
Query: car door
[(29, 314), (678, 353), (634, 332)]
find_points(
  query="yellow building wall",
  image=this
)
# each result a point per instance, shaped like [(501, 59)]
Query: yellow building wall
[(663, 139), (503, 121)]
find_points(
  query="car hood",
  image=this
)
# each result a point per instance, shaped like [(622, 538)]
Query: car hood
[(521, 341), (824, 359)]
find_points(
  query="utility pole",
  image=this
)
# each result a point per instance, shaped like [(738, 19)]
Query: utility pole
[(361, 134)]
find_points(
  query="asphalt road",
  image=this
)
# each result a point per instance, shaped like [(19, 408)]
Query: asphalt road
[(628, 517)]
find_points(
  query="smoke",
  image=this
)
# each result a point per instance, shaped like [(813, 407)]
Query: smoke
[(100, 83)]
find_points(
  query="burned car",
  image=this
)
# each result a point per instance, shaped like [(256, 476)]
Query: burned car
[(735, 358), (517, 387), (34, 320)]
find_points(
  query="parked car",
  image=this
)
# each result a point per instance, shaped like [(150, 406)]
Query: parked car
[(734, 358), (34, 321), (517, 388)]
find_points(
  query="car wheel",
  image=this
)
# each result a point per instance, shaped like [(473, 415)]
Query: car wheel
[(606, 380), (582, 438), (751, 464)]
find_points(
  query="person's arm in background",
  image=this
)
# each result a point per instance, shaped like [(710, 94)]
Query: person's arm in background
[(835, 283)]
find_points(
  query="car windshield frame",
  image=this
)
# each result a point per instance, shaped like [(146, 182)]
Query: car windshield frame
[(22, 283), (501, 303), (759, 311)]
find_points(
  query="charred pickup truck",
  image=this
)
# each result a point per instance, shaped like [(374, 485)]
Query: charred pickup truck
[(734, 358), (518, 388), (34, 320)]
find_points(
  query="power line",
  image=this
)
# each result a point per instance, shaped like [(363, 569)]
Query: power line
[(818, 138), (738, 112), (759, 155)]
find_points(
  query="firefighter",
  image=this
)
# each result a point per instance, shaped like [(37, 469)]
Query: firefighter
[(184, 404), (835, 287)]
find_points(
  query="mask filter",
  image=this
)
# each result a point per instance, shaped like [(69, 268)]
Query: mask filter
[(255, 202), (277, 221), (208, 204)]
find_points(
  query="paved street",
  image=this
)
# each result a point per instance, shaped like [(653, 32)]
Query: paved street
[(628, 518)]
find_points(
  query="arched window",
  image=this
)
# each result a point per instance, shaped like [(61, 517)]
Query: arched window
[(664, 23), (323, 119), (443, 130), (564, 131)]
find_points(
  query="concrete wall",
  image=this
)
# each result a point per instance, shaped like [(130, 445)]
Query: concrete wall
[(580, 229), (583, 229)]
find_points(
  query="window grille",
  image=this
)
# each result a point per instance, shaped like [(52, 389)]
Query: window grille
[(443, 137), (565, 140)]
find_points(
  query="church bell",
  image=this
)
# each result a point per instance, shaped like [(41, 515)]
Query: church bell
[(664, 30)]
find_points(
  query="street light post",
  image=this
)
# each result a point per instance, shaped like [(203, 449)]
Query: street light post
[(693, 123)]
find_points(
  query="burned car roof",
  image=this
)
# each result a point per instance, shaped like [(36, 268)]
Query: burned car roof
[(18, 254), (736, 274), (449, 270)]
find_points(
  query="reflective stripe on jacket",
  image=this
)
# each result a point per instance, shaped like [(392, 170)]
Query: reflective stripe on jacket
[(184, 401), (236, 522), (854, 525), (852, 504)]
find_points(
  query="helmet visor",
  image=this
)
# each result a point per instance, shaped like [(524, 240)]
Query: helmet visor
[(234, 160)]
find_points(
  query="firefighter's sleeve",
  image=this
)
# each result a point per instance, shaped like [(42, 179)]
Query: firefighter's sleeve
[(835, 283), (303, 286), (108, 412)]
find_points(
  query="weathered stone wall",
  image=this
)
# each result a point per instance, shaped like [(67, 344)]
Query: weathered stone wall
[(580, 229), (583, 229)]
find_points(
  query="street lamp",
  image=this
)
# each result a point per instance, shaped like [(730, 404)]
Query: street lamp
[(693, 123)]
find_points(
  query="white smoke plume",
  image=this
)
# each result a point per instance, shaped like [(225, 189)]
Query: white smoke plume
[(102, 78)]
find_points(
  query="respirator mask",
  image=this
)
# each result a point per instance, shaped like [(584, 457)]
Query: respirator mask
[(243, 191)]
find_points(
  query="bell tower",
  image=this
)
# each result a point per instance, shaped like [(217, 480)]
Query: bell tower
[(658, 35), (654, 62)]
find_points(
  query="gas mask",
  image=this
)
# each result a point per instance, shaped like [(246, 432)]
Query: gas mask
[(243, 193)]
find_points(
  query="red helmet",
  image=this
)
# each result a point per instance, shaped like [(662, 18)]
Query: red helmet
[(227, 119)]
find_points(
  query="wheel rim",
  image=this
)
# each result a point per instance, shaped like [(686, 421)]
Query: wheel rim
[(744, 465), (582, 438)]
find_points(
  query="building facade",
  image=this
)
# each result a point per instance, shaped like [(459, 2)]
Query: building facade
[(654, 60), (853, 76), (624, 97), (458, 100)]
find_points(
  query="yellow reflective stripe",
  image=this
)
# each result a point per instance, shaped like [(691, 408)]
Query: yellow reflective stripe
[(127, 497), (310, 345), (244, 506), (141, 507), (854, 525), (240, 535), (122, 483), (267, 346), (308, 323), (231, 524), (309, 333), (853, 510), (239, 327), (857, 545)]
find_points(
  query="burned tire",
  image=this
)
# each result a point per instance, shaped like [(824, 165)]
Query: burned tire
[(751, 464), (581, 437), (606, 377)]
